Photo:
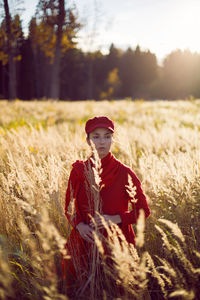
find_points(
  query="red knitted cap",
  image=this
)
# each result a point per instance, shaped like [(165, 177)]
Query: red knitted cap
[(99, 122)]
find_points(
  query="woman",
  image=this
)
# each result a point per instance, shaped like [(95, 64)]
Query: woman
[(113, 196)]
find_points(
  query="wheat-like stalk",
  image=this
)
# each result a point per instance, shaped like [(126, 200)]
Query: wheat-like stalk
[(38, 143)]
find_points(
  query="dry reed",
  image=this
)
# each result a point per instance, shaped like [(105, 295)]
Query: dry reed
[(159, 140)]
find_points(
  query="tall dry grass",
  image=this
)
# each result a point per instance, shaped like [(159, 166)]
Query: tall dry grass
[(159, 140)]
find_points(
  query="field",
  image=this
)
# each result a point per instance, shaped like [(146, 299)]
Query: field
[(159, 140)]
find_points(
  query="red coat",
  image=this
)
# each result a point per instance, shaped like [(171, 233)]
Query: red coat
[(115, 199)]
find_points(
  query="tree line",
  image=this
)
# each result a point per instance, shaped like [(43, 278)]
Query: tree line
[(46, 63)]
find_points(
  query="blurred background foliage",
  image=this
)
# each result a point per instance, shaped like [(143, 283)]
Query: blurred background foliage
[(47, 63)]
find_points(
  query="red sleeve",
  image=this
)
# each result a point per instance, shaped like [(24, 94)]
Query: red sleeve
[(130, 217), (72, 211)]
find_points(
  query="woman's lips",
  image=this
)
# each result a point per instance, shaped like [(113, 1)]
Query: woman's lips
[(101, 148)]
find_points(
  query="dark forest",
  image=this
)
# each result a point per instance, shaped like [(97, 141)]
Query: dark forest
[(47, 63)]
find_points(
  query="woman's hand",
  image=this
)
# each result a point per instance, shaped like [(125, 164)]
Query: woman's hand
[(85, 232), (99, 221)]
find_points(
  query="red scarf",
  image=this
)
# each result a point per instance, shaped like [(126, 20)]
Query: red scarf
[(111, 167)]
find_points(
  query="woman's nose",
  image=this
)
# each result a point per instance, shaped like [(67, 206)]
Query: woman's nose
[(101, 140)]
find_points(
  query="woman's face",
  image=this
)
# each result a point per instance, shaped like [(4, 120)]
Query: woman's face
[(102, 139)]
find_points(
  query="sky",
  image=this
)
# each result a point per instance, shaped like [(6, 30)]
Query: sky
[(160, 26)]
